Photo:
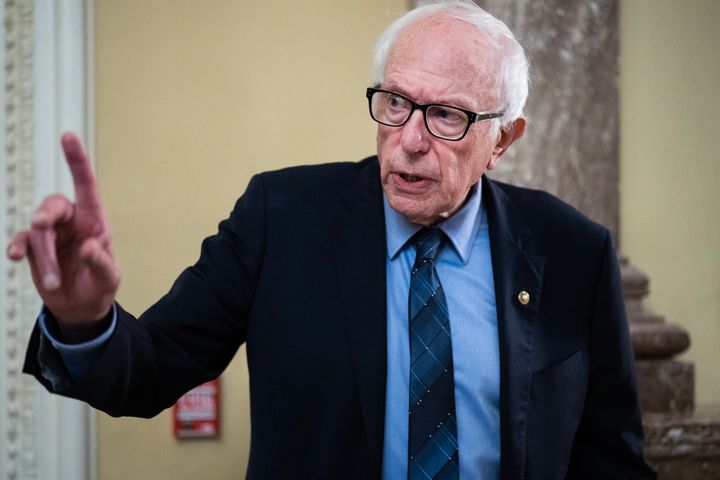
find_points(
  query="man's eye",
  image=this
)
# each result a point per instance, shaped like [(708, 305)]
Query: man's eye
[(449, 116), (397, 102)]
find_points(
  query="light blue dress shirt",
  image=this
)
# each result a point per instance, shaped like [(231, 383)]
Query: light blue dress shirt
[(465, 269)]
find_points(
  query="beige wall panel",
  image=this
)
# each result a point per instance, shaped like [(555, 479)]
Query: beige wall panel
[(192, 98), (670, 166)]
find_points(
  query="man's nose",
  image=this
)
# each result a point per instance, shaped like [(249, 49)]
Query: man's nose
[(415, 136)]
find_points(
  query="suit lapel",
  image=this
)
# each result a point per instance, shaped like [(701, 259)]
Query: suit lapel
[(516, 268), (360, 250)]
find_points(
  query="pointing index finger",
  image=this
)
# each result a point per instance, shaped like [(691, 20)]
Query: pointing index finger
[(86, 194)]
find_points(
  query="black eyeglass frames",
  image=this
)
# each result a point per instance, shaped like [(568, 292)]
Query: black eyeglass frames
[(443, 121)]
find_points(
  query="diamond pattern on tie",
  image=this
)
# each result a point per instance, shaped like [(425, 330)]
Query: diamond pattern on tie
[(432, 440)]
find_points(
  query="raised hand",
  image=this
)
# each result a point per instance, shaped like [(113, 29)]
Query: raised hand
[(68, 248)]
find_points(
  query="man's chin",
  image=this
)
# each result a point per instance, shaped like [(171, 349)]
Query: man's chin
[(414, 212)]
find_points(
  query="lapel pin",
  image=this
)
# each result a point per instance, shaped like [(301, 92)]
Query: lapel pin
[(523, 297)]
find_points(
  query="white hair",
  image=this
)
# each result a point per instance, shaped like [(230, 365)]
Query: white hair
[(512, 79)]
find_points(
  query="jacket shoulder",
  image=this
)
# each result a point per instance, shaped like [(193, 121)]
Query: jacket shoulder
[(321, 177), (546, 213), (313, 193)]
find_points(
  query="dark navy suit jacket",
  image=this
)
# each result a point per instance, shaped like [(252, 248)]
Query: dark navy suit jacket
[(297, 273)]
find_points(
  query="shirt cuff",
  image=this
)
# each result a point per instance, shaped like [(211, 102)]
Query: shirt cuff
[(77, 357)]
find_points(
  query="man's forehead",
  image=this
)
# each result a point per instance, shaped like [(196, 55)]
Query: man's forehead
[(445, 54), (447, 30)]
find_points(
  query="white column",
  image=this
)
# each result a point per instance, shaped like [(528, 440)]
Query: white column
[(46, 81)]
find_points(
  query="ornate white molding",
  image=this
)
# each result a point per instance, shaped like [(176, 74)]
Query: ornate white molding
[(19, 299), (44, 91)]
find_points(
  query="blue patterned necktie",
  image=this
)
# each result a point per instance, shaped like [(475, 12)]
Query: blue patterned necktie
[(432, 441)]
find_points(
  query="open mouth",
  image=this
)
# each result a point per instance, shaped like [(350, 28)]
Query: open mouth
[(410, 178)]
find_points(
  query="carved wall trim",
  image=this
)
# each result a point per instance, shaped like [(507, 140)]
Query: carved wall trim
[(20, 300), (44, 90)]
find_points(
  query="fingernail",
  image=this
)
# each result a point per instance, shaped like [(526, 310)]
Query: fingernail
[(50, 281), (12, 251)]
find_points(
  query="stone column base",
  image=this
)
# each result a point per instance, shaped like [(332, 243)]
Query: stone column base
[(684, 446), (666, 386)]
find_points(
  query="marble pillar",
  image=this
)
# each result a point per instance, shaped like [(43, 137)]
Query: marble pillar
[(571, 145)]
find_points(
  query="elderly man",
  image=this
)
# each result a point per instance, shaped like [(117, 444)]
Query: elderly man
[(405, 317)]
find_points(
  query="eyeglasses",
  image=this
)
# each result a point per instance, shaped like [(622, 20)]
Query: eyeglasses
[(443, 121)]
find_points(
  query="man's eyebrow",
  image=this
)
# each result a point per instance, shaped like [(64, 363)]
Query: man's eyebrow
[(457, 102), (395, 88), (463, 103)]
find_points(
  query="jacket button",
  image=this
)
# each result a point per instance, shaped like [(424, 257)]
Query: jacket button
[(523, 297)]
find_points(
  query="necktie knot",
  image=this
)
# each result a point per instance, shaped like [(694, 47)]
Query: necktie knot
[(428, 242)]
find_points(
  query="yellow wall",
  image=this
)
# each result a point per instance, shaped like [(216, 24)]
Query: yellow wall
[(192, 98), (670, 166)]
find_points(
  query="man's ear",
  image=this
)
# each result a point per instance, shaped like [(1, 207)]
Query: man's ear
[(506, 137)]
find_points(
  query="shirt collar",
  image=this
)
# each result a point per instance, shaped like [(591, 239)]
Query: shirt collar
[(461, 228)]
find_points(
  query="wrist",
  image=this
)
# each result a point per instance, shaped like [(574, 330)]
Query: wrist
[(80, 332)]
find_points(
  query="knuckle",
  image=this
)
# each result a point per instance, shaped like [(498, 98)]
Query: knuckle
[(53, 208), (57, 198), (49, 202), (57, 202)]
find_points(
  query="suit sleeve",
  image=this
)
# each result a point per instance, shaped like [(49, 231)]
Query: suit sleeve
[(609, 441), (188, 337)]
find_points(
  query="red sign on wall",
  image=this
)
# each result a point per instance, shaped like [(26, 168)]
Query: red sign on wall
[(197, 413)]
